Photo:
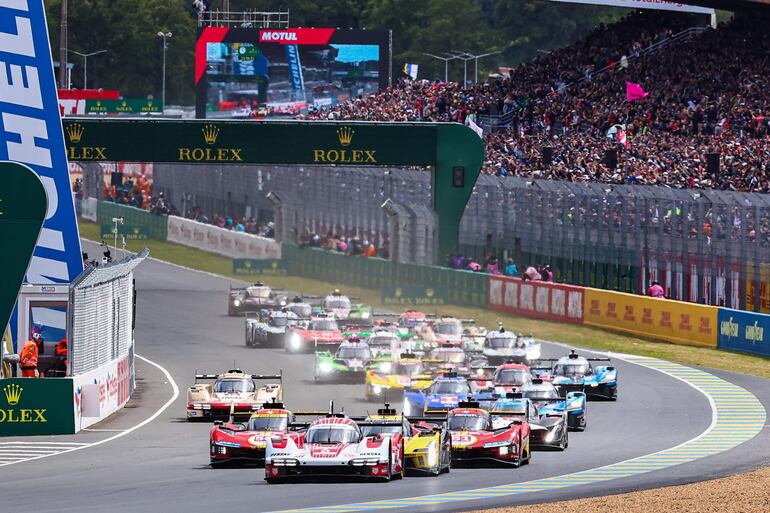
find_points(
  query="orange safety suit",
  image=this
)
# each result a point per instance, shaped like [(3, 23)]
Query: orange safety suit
[(62, 351), (28, 359)]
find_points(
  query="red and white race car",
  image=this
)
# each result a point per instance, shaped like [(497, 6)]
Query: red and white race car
[(321, 330), (335, 446), (244, 439), (475, 439), (232, 391), (510, 377)]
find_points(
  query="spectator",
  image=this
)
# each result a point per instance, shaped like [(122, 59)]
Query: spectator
[(510, 268), (656, 291)]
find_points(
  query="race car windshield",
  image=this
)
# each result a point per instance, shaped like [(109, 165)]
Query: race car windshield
[(509, 407), (337, 302), (541, 393), (234, 386), (331, 434), (324, 325), (273, 423), (259, 292), (450, 387), (300, 310), (381, 341), (501, 342), (280, 321), (468, 423), (381, 430), (408, 368), (511, 377), (350, 353), (572, 369), (447, 356), (449, 328)]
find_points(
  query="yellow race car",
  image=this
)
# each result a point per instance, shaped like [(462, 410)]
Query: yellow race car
[(427, 448), (388, 382)]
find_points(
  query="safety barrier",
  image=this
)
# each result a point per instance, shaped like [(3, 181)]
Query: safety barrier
[(31, 406), (463, 287), (137, 222), (218, 240), (537, 299), (744, 331)]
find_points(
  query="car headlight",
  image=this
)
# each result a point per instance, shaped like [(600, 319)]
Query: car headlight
[(377, 389), (296, 341), (505, 449), (533, 353), (325, 367), (551, 435), (365, 315), (610, 376), (236, 302), (386, 367)]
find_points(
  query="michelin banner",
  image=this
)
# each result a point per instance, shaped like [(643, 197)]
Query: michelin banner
[(744, 331), (31, 133), (219, 240), (661, 5)]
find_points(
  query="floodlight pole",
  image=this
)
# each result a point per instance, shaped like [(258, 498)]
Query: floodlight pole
[(465, 56), (85, 63), (446, 63)]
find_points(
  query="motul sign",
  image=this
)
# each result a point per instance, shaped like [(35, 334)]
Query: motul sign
[(297, 36)]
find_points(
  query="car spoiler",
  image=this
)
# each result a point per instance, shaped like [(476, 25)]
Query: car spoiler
[(278, 376)]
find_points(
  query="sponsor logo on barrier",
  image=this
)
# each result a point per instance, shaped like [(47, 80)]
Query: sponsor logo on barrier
[(13, 394), (251, 267), (344, 155), (536, 299), (75, 134), (743, 331), (207, 153), (414, 295)]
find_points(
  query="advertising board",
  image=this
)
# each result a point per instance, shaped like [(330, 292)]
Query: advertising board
[(675, 321), (744, 331), (537, 299), (33, 406), (414, 295), (101, 392), (219, 240)]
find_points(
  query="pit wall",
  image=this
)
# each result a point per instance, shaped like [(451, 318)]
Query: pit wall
[(677, 322)]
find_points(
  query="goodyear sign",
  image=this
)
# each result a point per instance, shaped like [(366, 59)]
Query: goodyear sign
[(254, 267), (129, 232), (35, 406), (675, 321), (414, 295), (744, 331)]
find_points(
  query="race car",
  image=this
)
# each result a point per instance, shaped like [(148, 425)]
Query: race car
[(349, 363), (242, 439), (575, 373), (449, 357), (444, 394), (300, 307), (270, 327), (510, 377), (408, 372), (501, 346), (383, 343), (474, 437), (253, 298), (321, 330), (333, 446), (342, 309), (473, 339), (548, 399), (427, 447), (449, 330), (232, 391)]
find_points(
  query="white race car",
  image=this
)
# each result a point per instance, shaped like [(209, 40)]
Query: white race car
[(334, 446), (233, 391)]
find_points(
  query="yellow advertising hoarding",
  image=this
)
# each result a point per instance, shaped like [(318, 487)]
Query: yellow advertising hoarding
[(675, 321), (764, 288)]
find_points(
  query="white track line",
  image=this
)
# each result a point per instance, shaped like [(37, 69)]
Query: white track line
[(80, 446)]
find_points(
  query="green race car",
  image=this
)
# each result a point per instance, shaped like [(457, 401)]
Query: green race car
[(348, 364)]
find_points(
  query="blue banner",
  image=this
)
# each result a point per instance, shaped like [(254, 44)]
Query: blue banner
[(743, 331), (31, 133), (295, 69)]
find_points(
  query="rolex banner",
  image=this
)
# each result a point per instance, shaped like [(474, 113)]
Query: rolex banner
[(661, 5), (30, 406), (31, 133)]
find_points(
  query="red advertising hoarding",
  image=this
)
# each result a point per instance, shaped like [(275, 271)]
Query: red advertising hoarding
[(537, 299)]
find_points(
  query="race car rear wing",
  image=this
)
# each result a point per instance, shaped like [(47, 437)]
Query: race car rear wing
[(278, 376)]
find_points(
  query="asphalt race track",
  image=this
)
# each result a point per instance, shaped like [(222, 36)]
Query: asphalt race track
[(163, 466)]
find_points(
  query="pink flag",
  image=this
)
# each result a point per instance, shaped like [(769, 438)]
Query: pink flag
[(635, 92)]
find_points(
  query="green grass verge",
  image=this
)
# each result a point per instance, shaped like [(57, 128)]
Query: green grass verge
[(579, 336)]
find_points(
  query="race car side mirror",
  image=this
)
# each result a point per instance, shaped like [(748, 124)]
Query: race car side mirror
[(218, 422), (610, 368)]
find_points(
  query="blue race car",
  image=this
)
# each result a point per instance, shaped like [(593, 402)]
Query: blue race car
[(575, 373), (551, 403), (444, 394)]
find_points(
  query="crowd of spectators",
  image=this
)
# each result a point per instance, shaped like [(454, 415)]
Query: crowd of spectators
[(708, 93), (506, 267), (353, 243), (243, 224)]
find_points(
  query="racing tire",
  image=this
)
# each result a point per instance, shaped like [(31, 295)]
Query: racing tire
[(528, 452), (271, 480), (390, 465), (400, 475)]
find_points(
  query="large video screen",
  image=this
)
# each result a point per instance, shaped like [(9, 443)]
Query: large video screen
[(249, 73)]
